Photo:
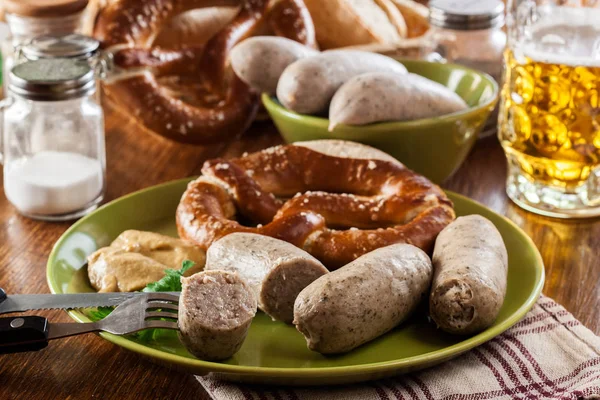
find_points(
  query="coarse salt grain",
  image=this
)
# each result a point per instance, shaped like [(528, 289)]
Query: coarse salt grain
[(53, 182)]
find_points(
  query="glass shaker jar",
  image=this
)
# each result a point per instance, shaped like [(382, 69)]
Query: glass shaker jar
[(53, 131), (30, 18), (469, 32)]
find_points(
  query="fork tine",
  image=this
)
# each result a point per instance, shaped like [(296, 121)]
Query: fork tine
[(163, 296), (161, 324), (160, 314), (163, 305)]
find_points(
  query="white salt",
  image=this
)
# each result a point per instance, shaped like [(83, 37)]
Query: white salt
[(53, 182)]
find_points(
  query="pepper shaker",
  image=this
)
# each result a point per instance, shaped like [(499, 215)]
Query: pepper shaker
[(469, 32)]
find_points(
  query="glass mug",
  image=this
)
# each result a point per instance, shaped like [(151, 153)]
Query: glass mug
[(549, 121)]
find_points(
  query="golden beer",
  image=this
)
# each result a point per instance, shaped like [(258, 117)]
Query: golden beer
[(549, 121)]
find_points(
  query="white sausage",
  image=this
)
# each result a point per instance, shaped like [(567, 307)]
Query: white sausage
[(364, 299), (216, 309), (275, 270), (469, 284), (260, 60), (307, 85), (384, 96)]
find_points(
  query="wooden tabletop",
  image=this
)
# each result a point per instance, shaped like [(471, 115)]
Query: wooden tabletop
[(88, 367)]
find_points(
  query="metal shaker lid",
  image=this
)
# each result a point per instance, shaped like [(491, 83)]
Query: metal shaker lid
[(60, 45), (52, 79), (466, 14)]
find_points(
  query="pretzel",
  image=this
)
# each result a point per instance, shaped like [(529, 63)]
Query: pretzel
[(336, 207), (188, 93)]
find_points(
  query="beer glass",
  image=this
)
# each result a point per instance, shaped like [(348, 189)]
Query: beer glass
[(549, 121)]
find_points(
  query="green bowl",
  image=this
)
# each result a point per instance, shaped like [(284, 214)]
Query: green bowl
[(434, 147)]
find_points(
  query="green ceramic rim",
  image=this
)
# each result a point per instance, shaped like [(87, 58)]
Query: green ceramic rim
[(272, 102), (386, 366)]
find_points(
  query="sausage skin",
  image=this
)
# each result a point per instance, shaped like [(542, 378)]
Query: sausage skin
[(470, 275), (259, 61), (275, 270), (364, 299), (383, 96), (216, 309), (306, 86)]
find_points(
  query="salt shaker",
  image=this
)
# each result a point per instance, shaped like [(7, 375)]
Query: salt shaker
[(27, 19), (470, 33), (53, 153)]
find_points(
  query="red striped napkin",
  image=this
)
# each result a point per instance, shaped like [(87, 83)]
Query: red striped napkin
[(547, 355)]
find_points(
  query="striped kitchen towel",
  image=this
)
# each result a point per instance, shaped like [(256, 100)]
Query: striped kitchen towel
[(547, 355)]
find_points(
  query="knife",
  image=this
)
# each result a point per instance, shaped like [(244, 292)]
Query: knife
[(26, 302), (32, 333)]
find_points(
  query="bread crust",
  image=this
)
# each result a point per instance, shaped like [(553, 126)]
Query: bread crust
[(334, 207), (188, 92), (341, 23), (416, 16)]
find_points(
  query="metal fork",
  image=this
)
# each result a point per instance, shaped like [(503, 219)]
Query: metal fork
[(32, 333)]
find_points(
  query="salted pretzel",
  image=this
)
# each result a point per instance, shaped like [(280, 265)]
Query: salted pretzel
[(188, 93), (337, 200)]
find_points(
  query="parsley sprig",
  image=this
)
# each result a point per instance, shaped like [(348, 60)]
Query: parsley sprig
[(171, 282)]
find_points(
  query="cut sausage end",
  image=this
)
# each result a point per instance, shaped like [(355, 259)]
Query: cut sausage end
[(215, 311), (282, 286), (275, 270), (453, 306)]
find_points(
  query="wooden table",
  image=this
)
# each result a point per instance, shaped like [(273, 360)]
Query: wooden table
[(88, 367)]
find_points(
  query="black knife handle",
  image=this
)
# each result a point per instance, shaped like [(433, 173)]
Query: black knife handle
[(21, 334), (2, 295)]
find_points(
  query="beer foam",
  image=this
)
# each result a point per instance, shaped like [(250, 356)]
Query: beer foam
[(568, 36)]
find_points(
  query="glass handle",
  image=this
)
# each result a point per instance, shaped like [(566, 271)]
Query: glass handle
[(4, 104), (444, 46), (17, 53), (103, 65), (593, 188), (437, 56)]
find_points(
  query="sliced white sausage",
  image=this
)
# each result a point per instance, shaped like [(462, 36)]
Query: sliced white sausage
[(275, 270), (215, 311)]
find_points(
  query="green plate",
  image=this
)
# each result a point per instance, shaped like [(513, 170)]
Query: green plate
[(276, 353)]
